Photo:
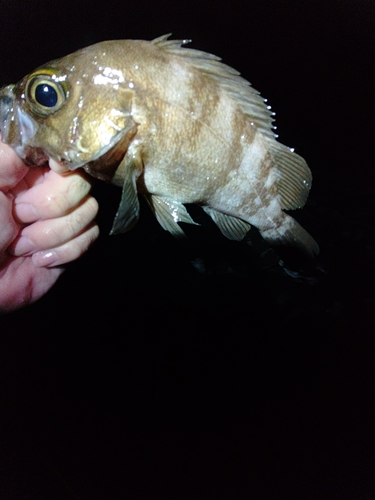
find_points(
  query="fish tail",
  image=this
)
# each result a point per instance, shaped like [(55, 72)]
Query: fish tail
[(289, 232)]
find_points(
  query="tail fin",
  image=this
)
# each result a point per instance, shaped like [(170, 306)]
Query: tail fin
[(292, 233)]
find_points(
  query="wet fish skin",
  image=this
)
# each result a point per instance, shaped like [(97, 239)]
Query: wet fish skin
[(171, 123)]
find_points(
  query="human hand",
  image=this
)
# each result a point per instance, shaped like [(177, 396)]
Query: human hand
[(46, 221)]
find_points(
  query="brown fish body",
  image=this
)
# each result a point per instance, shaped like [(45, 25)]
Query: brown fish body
[(171, 123)]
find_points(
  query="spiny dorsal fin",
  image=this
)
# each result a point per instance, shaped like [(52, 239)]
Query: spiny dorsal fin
[(228, 78)]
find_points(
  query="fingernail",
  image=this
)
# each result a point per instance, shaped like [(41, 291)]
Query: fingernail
[(26, 212), (22, 246), (45, 258)]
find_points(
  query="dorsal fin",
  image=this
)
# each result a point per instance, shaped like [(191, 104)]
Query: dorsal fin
[(249, 99)]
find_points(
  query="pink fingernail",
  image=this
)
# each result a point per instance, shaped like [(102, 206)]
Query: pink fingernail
[(22, 246), (26, 212), (45, 258)]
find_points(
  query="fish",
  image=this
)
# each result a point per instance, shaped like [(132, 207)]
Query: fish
[(173, 124)]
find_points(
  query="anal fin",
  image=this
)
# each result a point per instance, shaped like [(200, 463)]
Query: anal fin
[(231, 227)]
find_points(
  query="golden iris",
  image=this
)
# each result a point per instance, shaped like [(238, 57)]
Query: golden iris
[(45, 93)]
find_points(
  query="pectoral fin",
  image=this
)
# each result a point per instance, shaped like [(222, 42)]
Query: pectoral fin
[(128, 211), (168, 213), (231, 227)]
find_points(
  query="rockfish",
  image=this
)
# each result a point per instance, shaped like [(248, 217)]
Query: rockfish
[(173, 124)]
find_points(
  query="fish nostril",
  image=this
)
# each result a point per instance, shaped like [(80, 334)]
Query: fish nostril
[(6, 110), (5, 106), (6, 100)]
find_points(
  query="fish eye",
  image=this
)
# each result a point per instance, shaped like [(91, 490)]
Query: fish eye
[(45, 95)]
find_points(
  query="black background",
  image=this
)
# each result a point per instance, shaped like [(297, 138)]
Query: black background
[(155, 370)]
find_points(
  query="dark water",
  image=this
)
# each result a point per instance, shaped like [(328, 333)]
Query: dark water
[(215, 369)]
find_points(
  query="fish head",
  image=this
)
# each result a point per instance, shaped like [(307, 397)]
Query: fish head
[(73, 110)]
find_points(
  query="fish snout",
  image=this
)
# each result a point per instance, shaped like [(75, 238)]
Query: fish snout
[(6, 110)]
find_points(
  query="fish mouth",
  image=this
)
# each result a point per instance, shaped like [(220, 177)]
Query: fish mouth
[(16, 126), (34, 157)]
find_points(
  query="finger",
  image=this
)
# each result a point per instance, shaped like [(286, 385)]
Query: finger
[(22, 283), (12, 168), (52, 198), (50, 233), (67, 252), (35, 175), (9, 227)]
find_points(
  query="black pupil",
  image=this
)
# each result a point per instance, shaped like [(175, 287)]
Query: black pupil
[(46, 95)]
